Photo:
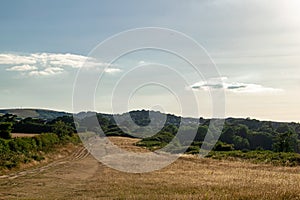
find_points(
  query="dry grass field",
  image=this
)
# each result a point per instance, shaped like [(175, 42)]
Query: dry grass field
[(80, 176), (15, 135)]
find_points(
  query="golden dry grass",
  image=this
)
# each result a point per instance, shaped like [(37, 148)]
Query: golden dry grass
[(15, 135), (188, 178)]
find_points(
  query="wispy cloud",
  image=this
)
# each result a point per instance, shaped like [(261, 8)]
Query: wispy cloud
[(112, 70), (45, 64), (21, 68), (235, 87), (46, 72)]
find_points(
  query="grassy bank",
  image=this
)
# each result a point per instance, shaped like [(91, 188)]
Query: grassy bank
[(22, 150)]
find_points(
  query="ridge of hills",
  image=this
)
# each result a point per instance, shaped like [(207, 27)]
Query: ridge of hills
[(142, 117), (35, 113), (47, 114)]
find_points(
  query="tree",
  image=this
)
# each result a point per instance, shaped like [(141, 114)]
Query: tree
[(285, 140), (263, 140), (283, 129), (227, 135), (8, 118), (242, 131), (201, 133), (171, 129), (5, 130), (69, 120), (240, 143), (62, 129)]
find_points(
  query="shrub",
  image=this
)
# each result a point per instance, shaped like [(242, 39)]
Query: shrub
[(220, 146), (48, 140), (5, 130), (23, 150), (193, 150)]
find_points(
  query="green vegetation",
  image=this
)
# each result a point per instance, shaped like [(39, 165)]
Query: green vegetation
[(5, 130), (274, 142), (259, 141), (266, 157), (247, 136), (282, 137), (35, 125), (157, 141), (14, 151)]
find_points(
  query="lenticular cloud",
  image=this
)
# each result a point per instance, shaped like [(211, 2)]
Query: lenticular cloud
[(235, 87)]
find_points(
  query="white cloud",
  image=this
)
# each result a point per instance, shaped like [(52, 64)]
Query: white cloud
[(68, 60), (22, 68), (65, 60), (13, 59), (46, 72), (251, 88), (141, 62), (45, 64), (235, 87), (112, 70)]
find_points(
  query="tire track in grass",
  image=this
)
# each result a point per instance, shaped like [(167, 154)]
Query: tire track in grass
[(78, 154)]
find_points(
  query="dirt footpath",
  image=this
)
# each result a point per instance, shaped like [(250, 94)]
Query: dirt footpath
[(80, 176)]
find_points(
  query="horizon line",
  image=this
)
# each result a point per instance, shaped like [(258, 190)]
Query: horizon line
[(142, 109)]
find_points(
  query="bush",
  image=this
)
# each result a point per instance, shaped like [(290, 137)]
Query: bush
[(281, 158), (193, 150), (48, 140), (220, 146), (21, 145), (152, 145), (3, 146), (37, 157), (62, 129), (5, 130), (23, 150)]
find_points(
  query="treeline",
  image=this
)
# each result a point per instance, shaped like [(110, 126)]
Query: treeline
[(111, 128), (242, 135), (247, 134), (284, 138), (237, 134), (35, 125)]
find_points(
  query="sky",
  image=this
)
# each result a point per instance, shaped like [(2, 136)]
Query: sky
[(255, 45)]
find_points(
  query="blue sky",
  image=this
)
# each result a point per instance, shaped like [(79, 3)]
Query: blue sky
[(71, 26), (255, 45)]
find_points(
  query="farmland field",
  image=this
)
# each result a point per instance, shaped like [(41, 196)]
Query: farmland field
[(14, 135), (79, 176)]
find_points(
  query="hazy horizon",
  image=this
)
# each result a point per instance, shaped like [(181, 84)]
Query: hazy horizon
[(71, 112), (254, 44)]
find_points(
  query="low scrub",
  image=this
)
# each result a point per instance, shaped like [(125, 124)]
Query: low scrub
[(268, 157), (16, 151)]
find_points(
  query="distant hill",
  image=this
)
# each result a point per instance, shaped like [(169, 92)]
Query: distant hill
[(35, 113)]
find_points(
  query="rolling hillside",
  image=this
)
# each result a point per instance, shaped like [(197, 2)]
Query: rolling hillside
[(35, 113)]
